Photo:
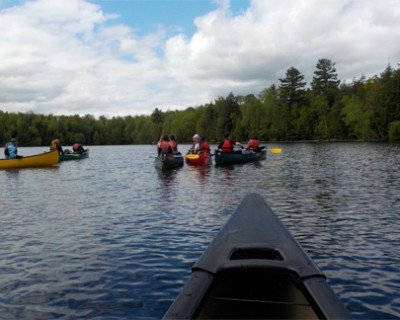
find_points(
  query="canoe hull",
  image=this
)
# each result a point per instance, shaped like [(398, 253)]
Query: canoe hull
[(201, 159), (168, 162), (74, 156), (225, 159), (40, 160), (255, 269)]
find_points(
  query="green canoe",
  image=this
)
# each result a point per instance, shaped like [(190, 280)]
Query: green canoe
[(227, 158), (74, 156), (167, 162)]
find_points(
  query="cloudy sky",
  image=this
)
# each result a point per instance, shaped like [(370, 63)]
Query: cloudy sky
[(120, 57)]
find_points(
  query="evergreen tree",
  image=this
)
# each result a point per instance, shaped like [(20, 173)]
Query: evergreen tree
[(325, 82), (292, 87), (292, 96)]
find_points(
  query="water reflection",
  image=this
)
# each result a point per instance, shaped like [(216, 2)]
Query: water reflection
[(198, 174), (166, 181)]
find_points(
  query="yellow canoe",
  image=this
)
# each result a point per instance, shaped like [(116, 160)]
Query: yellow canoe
[(39, 160)]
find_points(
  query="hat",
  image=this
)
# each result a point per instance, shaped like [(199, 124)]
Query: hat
[(196, 137), (14, 140)]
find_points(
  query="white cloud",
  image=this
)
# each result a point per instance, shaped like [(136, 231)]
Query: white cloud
[(64, 57)]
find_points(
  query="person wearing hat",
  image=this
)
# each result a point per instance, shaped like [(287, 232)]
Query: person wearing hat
[(10, 151), (196, 144)]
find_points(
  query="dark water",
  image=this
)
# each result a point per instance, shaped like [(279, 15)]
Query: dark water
[(110, 237)]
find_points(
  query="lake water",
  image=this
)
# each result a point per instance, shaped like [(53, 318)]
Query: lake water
[(111, 237)]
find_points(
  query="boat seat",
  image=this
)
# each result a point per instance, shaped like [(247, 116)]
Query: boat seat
[(256, 294)]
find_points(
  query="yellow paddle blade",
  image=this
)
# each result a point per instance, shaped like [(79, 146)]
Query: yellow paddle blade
[(192, 156), (276, 150)]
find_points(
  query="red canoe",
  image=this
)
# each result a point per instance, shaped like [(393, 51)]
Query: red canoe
[(199, 159)]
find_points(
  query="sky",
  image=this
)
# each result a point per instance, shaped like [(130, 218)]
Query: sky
[(128, 57)]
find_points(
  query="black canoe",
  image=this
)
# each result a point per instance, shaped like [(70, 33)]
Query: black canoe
[(167, 162), (228, 158), (255, 269)]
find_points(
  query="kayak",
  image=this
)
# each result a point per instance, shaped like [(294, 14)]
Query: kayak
[(228, 158), (74, 155), (39, 160), (200, 159), (255, 269), (167, 162)]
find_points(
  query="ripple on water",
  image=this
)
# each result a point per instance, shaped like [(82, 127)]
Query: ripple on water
[(110, 237)]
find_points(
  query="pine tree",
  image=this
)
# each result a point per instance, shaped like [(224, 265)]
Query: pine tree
[(325, 81), (292, 86)]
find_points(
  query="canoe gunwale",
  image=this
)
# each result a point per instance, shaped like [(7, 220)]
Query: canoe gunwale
[(228, 158), (245, 286)]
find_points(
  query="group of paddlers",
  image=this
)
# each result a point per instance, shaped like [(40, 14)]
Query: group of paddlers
[(11, 148), (55, 145), (168, 145), (229, 145)]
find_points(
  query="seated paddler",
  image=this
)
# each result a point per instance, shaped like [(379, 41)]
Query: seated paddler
[(164, 145), (11, 150), (55, 145), (228, 145), (77, 147), (254, 144)]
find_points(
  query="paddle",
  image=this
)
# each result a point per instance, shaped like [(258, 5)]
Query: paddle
[(275, 150)]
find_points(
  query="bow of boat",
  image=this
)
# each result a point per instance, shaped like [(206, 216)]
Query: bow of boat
[(254, 268)]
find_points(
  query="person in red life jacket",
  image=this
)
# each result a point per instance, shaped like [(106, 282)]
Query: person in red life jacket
[(204, 146), (164, 145), (173, 143), (228, 144), (254, 144), (77, 147)]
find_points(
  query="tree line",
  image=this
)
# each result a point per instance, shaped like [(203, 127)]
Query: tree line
[(326, 109)]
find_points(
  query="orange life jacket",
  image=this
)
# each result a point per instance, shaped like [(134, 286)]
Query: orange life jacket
[(253, 143), (227, 146), (165, 147)]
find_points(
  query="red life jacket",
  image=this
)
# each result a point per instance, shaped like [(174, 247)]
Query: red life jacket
[(227, 146), (253, 143), (204, 147), (174, 145), (165, 147)]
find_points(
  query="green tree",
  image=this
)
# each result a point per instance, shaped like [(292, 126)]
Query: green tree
[(273, 124), (254, 119), (227, 110), (357, 117), (292, 86), (325, 82), (292, 96)]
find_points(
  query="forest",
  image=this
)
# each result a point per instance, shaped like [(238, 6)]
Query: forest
[(366, 109)]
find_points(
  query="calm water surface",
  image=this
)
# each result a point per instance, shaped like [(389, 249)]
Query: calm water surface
[(110, 237)]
